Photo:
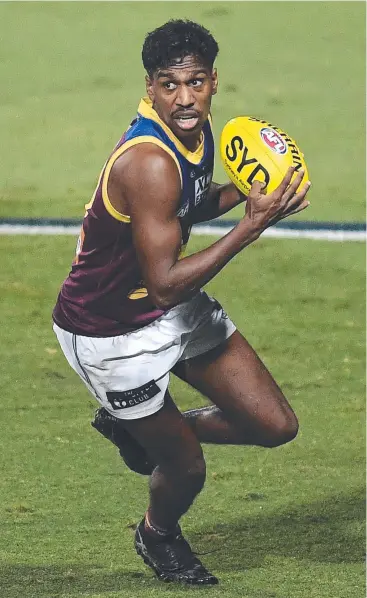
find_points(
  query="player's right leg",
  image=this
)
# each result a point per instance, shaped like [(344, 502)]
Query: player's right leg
[(174, 484), (129, 377), (168, 441)]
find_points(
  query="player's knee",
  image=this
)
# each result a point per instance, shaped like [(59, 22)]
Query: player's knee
[(190, 474), (283, 430), (195, 472), (188, 471)]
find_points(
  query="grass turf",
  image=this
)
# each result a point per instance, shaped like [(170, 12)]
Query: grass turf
[(71, 79), (282, 523)]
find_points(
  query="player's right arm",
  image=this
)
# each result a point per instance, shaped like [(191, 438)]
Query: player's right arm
[(145, 184)]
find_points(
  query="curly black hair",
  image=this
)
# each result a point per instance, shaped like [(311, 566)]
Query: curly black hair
[(177, 39)]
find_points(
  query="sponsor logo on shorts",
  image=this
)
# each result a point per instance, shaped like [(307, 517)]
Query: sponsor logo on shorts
[(273, 140), (130, 398)]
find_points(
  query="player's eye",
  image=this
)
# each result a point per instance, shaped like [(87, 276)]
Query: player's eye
[(197, 82), (169, 85)]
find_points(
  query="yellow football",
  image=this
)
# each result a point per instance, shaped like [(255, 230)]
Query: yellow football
[(252, 149)]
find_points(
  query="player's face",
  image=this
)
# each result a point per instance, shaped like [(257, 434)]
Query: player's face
[(181, 95)]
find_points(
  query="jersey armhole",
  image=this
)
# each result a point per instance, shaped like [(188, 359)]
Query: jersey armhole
[(137, 140)]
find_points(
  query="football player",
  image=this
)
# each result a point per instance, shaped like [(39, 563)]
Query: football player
[(132, 309)]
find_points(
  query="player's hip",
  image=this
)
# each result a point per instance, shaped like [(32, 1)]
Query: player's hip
[(129, 373)]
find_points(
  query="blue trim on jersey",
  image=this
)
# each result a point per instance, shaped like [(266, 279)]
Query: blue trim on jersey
[(196, 178)]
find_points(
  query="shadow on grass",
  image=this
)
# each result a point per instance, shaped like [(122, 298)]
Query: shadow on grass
[(52, 581), (329, 531)]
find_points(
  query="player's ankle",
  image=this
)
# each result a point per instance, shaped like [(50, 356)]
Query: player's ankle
[(154, 530)]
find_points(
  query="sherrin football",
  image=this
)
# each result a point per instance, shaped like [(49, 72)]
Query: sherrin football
[(255, 150)]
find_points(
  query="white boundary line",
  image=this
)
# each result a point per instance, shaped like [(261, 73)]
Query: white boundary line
[(278, 233), (286, 233), (34, 229)]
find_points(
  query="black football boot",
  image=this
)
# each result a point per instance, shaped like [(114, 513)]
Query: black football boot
[(130, 450), (171, 558)]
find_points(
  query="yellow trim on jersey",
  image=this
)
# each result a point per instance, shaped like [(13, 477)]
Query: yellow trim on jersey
[(146, 109), (181, 255), (142, 139), (90, 203)]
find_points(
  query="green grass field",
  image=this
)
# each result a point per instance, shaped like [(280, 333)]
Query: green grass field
[(71, 79), (282, 523)]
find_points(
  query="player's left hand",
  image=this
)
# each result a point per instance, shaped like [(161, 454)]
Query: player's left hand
[(300, 207)]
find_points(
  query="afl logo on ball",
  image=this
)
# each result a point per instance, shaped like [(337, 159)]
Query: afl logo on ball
[(273, 140)]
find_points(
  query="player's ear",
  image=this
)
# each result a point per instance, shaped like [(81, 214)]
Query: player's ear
[(149, 87), (214, 81)]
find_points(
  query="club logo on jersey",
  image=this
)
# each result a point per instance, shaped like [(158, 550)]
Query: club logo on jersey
[(202, 185), (184, 210), (273, 140)]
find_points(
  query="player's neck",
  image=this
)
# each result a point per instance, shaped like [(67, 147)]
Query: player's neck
[(193, 143)]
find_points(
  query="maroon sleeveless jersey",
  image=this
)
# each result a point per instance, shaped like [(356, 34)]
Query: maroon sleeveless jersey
[(104, 294)]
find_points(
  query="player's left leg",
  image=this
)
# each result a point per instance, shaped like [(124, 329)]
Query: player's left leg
[(130, 450), (249, 407)]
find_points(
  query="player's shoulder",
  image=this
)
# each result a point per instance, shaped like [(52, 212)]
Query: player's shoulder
[(145, 158), (146, 164)]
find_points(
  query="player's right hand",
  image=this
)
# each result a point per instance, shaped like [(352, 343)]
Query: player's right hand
[(265, 210)]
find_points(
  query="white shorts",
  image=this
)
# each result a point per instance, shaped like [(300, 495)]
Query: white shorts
[(129, 374)]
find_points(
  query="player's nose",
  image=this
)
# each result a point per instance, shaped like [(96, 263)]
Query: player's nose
[(184, 97)]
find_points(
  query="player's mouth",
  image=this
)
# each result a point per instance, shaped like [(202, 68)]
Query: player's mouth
[(187, 121)]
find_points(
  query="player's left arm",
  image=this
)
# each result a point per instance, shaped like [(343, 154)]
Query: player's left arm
[(220, 199)]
